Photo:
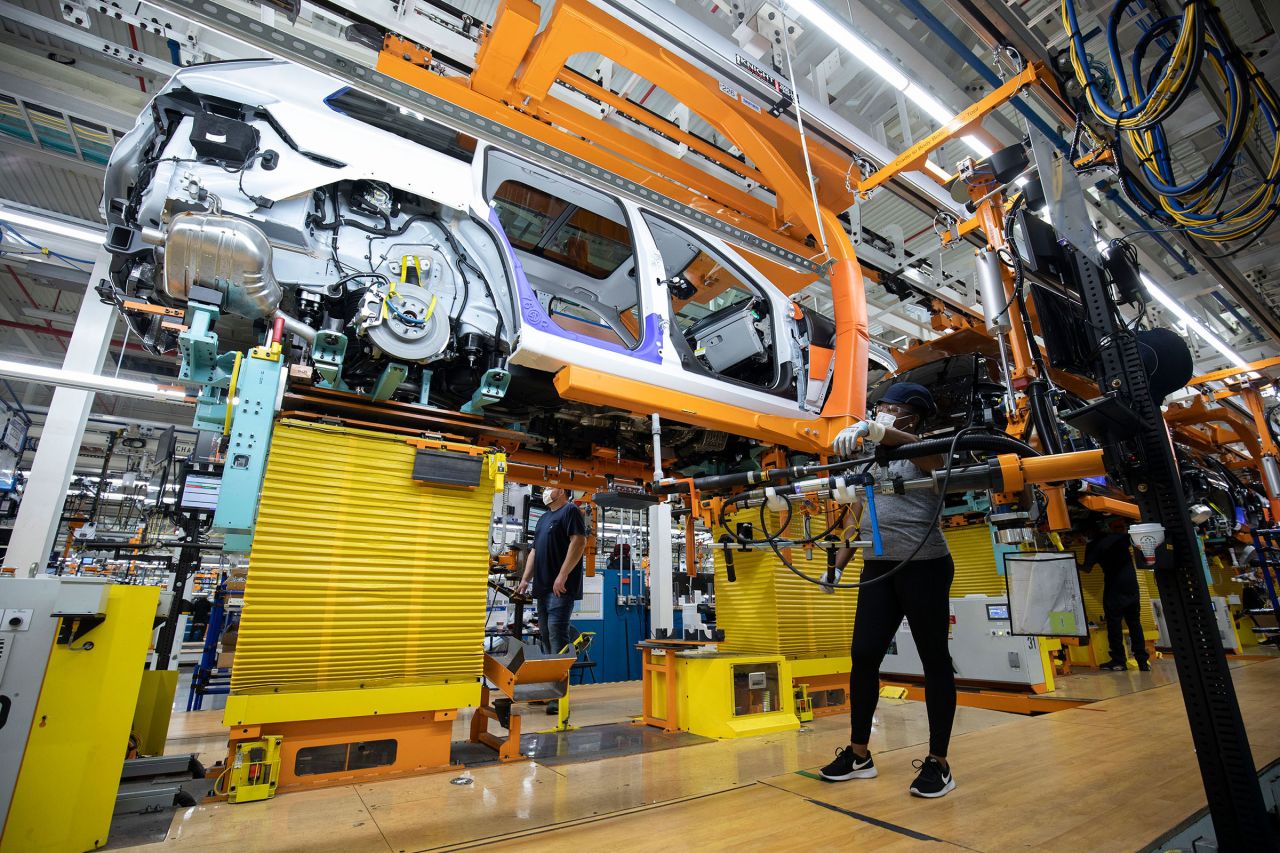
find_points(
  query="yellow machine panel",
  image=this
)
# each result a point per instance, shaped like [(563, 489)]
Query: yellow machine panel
[(66, 789), (255, 771), (361, 576), (770, 610), (725, 695)]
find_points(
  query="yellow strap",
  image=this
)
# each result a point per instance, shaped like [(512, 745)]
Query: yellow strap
[(231, 395)]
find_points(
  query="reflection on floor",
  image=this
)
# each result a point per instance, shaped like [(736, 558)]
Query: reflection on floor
[(1064, 776)]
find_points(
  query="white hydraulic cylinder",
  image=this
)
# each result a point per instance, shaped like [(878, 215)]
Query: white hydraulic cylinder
[(661, 599)]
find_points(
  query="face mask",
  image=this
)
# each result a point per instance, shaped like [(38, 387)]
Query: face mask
[(887, 419), (545, 498)]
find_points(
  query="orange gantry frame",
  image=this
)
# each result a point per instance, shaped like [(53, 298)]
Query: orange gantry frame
[(516, 68)]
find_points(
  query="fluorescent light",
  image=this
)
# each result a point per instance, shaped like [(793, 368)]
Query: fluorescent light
[(90, 381), (1192, 323), (22, 219), (871, 57), (866, 53), (936, 110)]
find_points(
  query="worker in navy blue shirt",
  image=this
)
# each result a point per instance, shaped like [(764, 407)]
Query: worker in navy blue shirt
[(554, 566)]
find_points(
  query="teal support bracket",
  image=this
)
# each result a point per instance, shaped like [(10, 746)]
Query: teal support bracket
[(327, 353), (202, 364), (392, 375), (493, 387), (424, 392), (252, 419)]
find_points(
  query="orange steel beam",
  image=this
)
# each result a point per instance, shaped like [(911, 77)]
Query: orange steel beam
[(913, 158), (1233, 372), (604, 389), (1252, 400), (503, 47), (1113, 506)]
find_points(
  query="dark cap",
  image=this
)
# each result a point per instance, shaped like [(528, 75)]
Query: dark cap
[(911, 394)]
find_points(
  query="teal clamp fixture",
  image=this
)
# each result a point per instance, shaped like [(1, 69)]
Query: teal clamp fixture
[(249, 440), (392, 375), (202, 364), (493, 387), (327, 353)]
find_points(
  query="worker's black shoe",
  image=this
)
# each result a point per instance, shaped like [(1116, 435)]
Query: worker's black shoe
[(553, 707), (1114, 666), (933, 781), (849, 766), (1143, 666)]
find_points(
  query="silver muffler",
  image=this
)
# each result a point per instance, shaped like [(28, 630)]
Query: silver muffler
[(225, 254)]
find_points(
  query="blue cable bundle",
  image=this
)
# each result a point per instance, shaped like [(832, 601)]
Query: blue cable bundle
[(1194, 41)]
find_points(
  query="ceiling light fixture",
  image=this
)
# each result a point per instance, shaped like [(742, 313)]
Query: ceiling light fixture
[(871, 57), (90, 382), (1192, 323), (24, 219)]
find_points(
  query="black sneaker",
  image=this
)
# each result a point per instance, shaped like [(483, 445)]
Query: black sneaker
[(1114, 666), (932, 781), (849, 766), (1144, 667), (553, 707)]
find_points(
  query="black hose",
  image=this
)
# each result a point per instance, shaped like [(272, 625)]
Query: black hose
[(1042, 416), (933, 524), (386, 231), (934, 446)]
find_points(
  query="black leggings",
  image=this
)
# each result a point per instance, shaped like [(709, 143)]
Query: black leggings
[(922, 593)]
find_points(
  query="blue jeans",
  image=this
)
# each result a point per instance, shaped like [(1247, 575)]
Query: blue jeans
[(553, 621)]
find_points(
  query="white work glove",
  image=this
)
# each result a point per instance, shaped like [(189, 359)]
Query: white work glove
[(847, 439)]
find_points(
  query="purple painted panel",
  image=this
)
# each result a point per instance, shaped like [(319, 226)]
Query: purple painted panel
[(532, 313)]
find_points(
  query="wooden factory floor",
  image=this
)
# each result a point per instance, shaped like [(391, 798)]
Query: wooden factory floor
[(1113, 775)]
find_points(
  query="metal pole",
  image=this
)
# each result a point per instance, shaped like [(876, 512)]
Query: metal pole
[(39, 514)]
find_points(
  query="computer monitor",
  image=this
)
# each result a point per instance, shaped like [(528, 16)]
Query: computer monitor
[(200, 492)]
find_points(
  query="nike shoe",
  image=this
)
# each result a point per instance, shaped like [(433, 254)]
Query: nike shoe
[(849, 766), (933, 781)]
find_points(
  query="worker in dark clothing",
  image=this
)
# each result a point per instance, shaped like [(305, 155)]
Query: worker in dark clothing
[(1121, 600), (554, 567), (920, 570)]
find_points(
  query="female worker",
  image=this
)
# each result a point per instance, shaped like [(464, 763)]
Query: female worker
[(920, 591)]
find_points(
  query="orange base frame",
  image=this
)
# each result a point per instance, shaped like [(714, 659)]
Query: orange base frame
[(819, 683), (423, 740), (664, 666), (508, 748)]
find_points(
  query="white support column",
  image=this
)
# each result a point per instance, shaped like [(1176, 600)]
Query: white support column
[(661, 602), (36, 526)]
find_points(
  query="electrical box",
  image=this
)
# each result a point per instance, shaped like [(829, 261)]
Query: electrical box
[(730, 341), (255, 771)]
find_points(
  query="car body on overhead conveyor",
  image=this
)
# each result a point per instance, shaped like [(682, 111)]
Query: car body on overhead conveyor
[(383, 239)]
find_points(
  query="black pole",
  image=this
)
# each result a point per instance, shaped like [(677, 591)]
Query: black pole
[(1145, 464), (188, 560)]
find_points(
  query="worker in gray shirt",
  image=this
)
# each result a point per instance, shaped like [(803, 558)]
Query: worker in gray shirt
[(919, 589)]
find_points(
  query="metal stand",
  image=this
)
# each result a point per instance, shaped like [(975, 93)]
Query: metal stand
[(188, 562), (1143, 459)]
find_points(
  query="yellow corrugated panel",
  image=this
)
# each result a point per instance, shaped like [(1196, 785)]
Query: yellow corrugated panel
[(974, 556), (771, 610), (360, 575)]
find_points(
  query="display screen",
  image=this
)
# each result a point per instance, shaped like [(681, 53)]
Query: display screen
[(997, 611), (200, 492)]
